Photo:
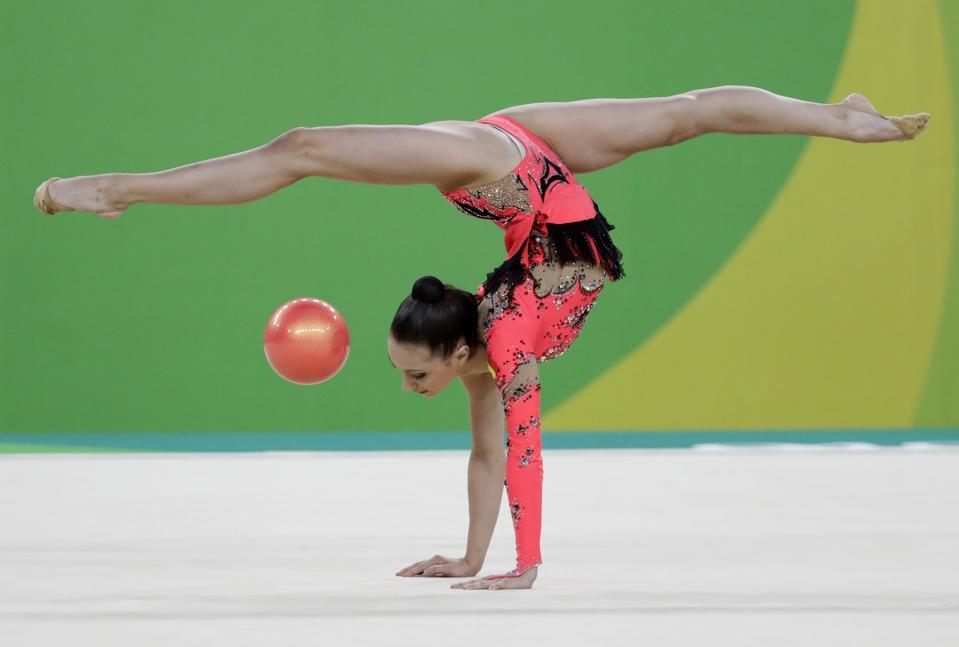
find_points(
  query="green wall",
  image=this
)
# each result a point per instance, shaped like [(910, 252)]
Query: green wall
[(153, 322)]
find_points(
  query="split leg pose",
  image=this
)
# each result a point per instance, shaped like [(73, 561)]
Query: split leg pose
[(588, 135)]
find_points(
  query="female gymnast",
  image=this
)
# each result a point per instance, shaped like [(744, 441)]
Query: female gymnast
[(515, 167)]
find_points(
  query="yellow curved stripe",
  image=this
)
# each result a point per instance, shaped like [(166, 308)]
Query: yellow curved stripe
[(827, 314)]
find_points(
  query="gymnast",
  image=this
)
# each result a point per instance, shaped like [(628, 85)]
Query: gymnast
[(515, 167)]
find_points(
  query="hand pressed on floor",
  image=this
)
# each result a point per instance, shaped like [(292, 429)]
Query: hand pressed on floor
[(439, 566), (496, 582)]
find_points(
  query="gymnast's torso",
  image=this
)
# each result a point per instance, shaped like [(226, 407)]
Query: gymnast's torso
[(556, 239)]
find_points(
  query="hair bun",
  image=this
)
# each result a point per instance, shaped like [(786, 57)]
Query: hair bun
[(428, 289)]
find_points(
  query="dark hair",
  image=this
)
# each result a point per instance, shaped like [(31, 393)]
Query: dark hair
[(437, 315)]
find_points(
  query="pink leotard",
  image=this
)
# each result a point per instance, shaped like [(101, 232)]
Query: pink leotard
[(534, 304)]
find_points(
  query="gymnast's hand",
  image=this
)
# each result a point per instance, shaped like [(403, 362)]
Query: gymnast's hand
[(494, 582), (439, 566)]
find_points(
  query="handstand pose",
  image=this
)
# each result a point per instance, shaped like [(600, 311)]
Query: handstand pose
[(514, 167)]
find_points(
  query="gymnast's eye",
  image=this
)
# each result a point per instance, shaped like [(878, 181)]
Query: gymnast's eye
[(418, 377)]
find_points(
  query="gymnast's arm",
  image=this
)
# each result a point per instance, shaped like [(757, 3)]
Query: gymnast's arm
[(487, 464)]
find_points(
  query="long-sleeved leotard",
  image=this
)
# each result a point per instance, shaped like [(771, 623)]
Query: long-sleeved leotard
[(533, 306)]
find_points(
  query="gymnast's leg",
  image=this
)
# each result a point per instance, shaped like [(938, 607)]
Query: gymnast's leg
[(595, 133), (446, 154)]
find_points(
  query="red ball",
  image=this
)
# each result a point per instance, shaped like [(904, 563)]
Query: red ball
[(306, 341)]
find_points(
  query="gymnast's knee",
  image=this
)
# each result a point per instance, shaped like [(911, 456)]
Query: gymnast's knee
[(299, 148)]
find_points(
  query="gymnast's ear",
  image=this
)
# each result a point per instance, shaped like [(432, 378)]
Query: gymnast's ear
[(462, 353)]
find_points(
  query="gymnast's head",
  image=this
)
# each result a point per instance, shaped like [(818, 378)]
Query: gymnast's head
[(433, 335)]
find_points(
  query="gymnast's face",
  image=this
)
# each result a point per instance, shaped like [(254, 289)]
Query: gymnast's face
[(423, 372)]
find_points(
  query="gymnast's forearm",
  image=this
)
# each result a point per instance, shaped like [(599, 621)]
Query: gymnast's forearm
[(485, 474)]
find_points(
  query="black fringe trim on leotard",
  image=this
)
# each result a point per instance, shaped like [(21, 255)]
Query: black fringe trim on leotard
[(511, 272), (571, 242)]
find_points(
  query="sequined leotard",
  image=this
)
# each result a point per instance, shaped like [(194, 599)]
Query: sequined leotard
[(534, 304)]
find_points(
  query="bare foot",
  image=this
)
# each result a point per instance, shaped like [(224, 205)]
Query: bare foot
[(906, 126), (85, 193)]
